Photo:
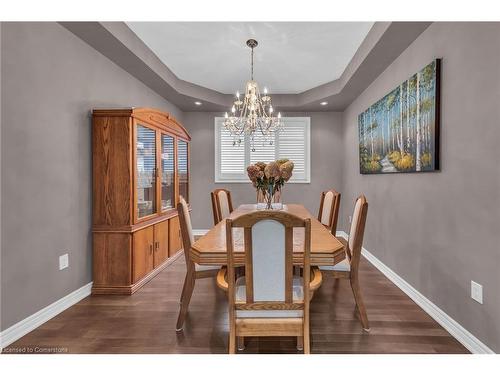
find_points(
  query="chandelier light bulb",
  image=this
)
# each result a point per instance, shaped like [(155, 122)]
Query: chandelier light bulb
[(253, 113)]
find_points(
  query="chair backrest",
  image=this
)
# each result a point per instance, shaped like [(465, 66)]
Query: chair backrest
[(357, 231), (186, 229), (222, 204), (329, 209), (268, 244)]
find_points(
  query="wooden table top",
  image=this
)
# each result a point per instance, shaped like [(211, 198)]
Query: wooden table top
[(325, 248)]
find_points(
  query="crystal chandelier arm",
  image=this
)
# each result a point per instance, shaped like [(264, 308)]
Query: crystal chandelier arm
[(254, 112)]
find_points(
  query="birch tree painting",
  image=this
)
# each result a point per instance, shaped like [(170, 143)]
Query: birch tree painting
[(400, 132)]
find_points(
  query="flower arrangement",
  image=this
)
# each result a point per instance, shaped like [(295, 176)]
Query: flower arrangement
[(269, 178)]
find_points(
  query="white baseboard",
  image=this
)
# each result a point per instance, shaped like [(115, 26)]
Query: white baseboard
[(467, 339), (18, 330), (199, 232), (27, 325)]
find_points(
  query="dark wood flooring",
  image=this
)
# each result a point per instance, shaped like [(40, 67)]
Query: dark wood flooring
[(145, 321)]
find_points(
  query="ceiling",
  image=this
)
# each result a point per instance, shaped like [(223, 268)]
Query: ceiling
[(291, 57), (382, 45)]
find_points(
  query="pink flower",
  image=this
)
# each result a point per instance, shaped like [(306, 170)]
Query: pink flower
[(286, 170), (253, 172), (272, 170), (261, 165)]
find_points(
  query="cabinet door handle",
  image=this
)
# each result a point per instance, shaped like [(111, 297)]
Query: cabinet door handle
[(151, 249), (157, 244)]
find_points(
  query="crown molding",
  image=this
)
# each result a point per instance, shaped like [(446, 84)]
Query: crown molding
[(384, 42)]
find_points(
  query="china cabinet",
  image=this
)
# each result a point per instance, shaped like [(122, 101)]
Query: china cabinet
[(140, 159)]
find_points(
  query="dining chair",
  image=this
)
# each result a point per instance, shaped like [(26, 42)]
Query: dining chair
[(222, 205), (349, 267), (269, 300), (329, 210), (193, 271)]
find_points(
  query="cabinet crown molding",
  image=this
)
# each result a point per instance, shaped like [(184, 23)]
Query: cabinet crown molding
[(150, 115)]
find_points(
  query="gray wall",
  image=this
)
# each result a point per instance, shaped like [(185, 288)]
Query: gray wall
[(326, 159), (437, 230), (50, 81), (440, 230), (1, 308)]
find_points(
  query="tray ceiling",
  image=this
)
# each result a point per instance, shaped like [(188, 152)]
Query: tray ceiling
[(292, 57)]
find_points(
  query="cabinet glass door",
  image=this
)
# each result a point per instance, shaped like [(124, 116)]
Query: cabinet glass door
[(167, 172), (146, 167), (182, 167)]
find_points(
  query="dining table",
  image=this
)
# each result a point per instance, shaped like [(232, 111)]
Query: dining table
[(326, 249), (210, 249)]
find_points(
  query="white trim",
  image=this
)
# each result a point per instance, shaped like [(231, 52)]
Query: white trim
[(25, 326), (200, 232), (467, 339)]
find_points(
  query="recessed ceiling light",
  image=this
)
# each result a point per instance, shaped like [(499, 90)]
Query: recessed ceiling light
[(198, 103), (323, 103)]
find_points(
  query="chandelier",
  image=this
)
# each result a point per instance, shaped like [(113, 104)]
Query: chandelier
[(253, 115)]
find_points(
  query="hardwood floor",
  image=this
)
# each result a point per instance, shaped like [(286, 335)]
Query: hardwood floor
[(145, 322)]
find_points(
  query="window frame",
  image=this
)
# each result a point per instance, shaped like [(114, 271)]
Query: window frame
[(242, 178)]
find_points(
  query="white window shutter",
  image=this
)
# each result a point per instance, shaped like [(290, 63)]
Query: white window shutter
[(230, 160), (265, 149), (292, 143)]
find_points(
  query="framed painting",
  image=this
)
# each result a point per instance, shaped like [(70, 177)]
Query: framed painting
[(400, 132)]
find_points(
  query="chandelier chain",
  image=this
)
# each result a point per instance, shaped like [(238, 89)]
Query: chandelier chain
[(251, 77)]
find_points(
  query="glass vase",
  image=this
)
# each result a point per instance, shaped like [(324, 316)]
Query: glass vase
[(278, 199)]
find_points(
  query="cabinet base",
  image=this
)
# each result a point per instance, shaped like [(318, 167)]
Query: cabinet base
[(131, 289)]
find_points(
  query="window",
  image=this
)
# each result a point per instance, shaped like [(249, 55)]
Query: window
[(292, 143)]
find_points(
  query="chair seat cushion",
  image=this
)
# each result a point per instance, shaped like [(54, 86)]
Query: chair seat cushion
[(343, 266), (298, 297), (199, 267)]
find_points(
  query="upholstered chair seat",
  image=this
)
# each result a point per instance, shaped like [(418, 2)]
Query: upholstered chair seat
[(199, 268), (349, 267), (194, 271), (269, 300), (343, 266), (298, 297)]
